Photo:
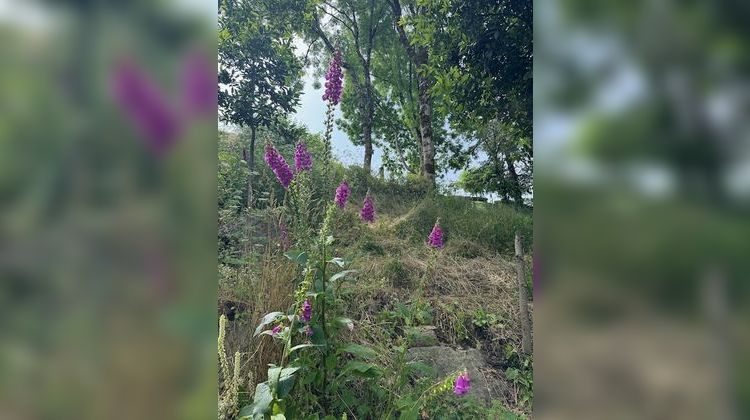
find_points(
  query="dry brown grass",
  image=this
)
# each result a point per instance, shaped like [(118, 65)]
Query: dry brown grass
[(463, 279), (266, 289)]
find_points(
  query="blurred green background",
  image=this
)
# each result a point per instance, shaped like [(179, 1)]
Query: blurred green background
[(642, 185), (107, 239)]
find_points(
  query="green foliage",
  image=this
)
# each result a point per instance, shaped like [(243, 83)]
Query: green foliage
[(469, 409), (482, 319), (478, 50), (259, 74), (507, 168), (519, 372)]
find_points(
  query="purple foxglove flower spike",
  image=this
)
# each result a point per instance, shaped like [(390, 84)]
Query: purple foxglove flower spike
[(334, 78), (435, 239), (302, 158), (278, 165), (368, 209), (463, 384), (306, 311), (146, 105), (342, 193), (199, 84)]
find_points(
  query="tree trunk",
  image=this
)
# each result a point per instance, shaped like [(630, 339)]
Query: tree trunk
[(249, 157), (425, 126), (523, 298), (419, 57), (367, 119), (517, 191), (250, 166)]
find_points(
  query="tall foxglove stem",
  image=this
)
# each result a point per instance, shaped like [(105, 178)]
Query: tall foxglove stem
[(327, 151)]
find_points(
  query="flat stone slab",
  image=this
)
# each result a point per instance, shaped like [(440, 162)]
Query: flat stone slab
[(446, 360)]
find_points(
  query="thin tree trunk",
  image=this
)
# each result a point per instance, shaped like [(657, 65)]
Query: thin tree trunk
[(517, 191), (425, 126), (523, 298), (419, 57), (250, 159), (250, 167), (369, 110)]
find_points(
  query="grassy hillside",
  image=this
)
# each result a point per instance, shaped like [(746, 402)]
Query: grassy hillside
[(467, 291)]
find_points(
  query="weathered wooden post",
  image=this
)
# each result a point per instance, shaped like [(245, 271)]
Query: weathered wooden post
[(523, 298)]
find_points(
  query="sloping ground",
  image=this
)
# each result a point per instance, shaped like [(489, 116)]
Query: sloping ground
[(467, 290)]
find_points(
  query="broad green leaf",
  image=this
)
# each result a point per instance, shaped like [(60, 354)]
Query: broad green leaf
[(360, 351), (344, 322), (300, 257), (246, 412), (338, 261), (282, 379), (318, 338), (340, 275), (262, 399), (301, 346), (363, 369)]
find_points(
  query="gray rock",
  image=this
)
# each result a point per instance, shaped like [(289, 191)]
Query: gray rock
[(423, 336), (446, 360)]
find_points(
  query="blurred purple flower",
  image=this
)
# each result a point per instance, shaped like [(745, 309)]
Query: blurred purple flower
[(334, 78), (146, 105), (306, 311), (368, 209), (302, 158), (199, 84), (435, 239), (342, 193), (278, 165), (463, 384)]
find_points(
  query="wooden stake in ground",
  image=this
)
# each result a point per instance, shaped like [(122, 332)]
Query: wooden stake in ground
[(523, 298)]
